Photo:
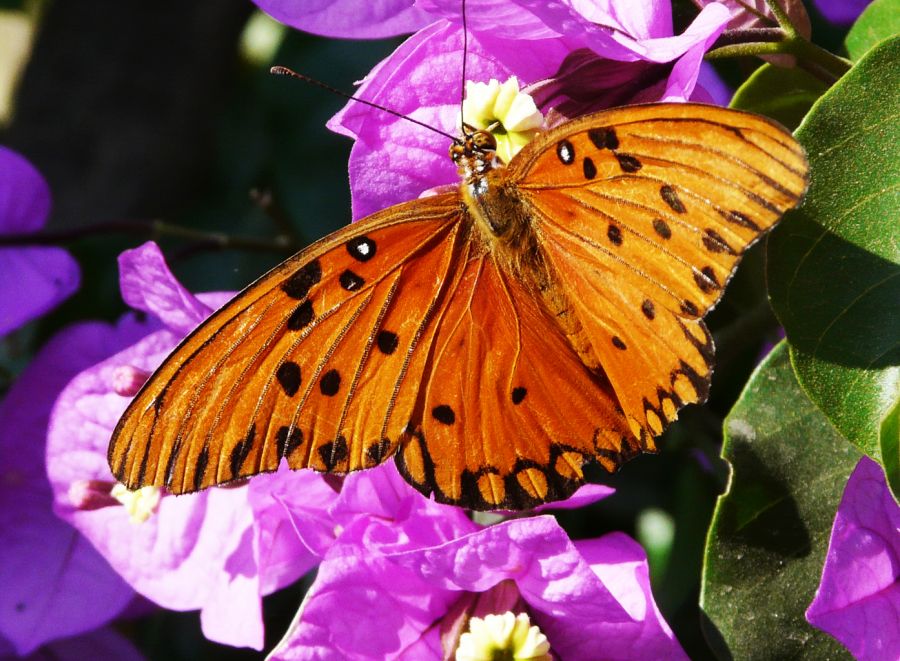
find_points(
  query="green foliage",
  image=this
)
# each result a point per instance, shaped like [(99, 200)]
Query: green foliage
[(880, 20), (770, 530), (779, 93), (834, 265)]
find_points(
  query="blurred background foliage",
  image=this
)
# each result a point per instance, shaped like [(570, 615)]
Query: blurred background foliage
[(165, 112)]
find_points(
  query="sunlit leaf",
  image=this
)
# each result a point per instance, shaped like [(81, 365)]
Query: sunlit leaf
[(834, 264), (879, 21)]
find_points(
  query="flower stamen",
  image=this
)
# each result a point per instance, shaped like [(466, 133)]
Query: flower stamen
[(503, 637), (504, 111), (140, 503)]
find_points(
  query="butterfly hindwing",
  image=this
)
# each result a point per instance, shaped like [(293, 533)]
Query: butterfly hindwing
[(305, 363), (509, 412), (644, 213)]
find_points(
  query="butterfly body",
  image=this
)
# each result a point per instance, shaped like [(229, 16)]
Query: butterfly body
[(493, 340)]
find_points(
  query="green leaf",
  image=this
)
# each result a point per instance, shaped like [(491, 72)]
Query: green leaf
[(834, 264), (879, 21), (769, 535), (783, 94)]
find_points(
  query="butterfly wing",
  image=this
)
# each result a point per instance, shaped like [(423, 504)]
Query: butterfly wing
[(509, 413), (316, 361), (643, 213)]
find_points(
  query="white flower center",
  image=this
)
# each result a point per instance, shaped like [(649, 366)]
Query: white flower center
[(510, 115), (501, 637), (140, 504)]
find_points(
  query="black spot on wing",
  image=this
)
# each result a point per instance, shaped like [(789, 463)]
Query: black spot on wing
[(377, 452), (648, 309), (588, 167), (241, 450), (333, 454), (740, 219), (443, 414), (518, 394), (301, 317), (714, 242), (387, 342), (628, 163), (287, 440), (350, 280), (604, 138), (200, 467), (288, 375), (618, 343), (670, 197), (689, 308), (662, 228), (614, 234), (361, 248), (700, 385), (706, 279), (297, 286), (330, 383), (566, 152)]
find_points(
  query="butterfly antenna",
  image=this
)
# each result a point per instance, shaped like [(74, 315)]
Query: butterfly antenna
[(462, 91), (284, 71)]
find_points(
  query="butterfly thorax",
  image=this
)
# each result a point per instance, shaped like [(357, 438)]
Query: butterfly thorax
[(501, 217), (496, 213)]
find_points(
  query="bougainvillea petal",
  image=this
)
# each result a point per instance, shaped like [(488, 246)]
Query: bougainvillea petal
[(148, 285), (35, 279), (348, 19), (46, 566), (202, 551), (24, 195), (104, 643), (858, 600)]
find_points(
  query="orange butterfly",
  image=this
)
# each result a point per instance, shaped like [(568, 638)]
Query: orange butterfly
[(493, 340)]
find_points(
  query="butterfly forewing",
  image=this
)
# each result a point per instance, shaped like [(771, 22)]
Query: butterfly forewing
[(643, 213), (277, 370)]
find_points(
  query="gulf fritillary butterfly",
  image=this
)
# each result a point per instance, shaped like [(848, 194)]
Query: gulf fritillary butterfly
[(494, 339)]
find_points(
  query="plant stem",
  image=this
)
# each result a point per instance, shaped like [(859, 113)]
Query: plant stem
[(794, 45), (152, 229), (783, 19)]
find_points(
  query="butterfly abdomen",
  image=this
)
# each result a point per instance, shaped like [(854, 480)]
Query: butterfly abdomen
[(502, 218)]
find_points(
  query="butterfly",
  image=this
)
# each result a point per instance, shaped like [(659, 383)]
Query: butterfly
[(494, 340)]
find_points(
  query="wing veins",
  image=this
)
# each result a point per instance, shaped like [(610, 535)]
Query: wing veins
[(766, 179), (195, 395), (321, 366), (593, 244), (367, 352)]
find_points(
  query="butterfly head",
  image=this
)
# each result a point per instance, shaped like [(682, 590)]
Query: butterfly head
[(474, 153)]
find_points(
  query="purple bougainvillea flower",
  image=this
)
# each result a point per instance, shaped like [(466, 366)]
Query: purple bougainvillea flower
[(599, 56), (842, 12), (349, 19), (34, 278), (858, 600), (46, 566), (100, 644), (403, 572), (220, 550)]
